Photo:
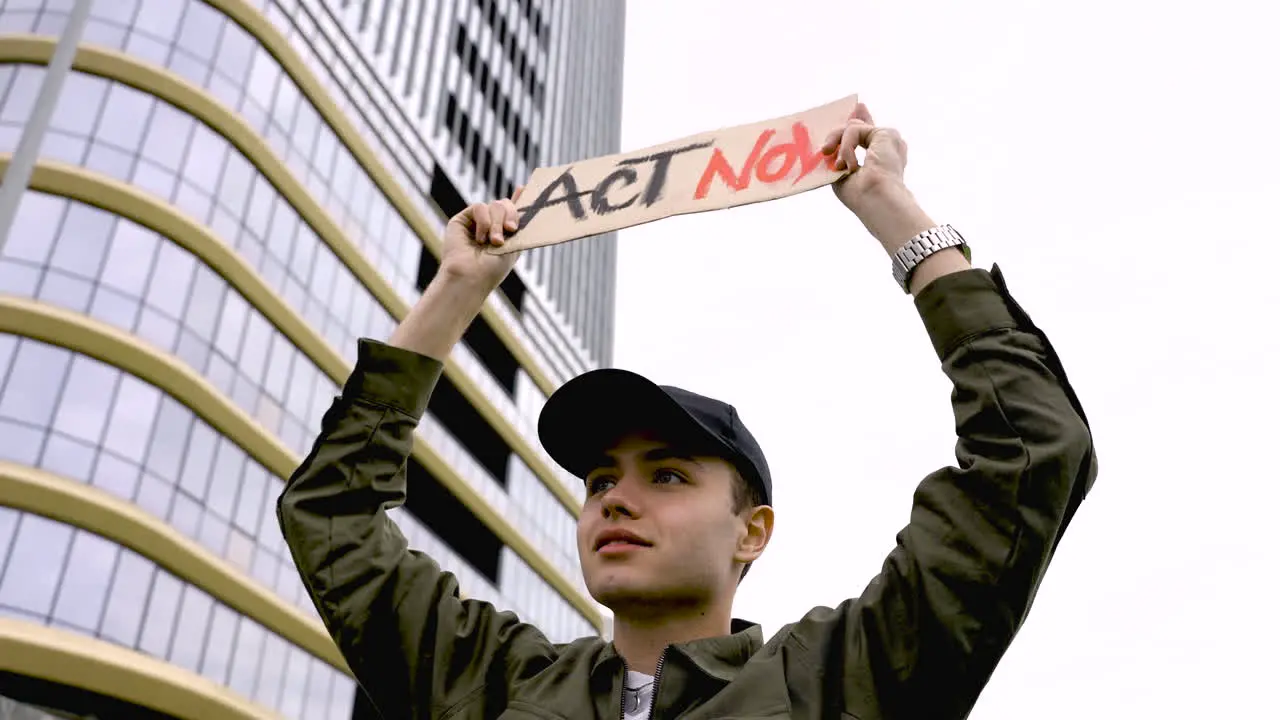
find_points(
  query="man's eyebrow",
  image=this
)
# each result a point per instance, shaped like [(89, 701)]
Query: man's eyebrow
[(607, 462), (669, 453), (603, 461)]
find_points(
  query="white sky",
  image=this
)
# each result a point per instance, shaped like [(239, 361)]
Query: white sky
[(1119, 160)]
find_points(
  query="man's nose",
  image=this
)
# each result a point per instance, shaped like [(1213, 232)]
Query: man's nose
[(618, 501)]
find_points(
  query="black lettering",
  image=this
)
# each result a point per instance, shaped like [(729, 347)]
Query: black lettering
[(661, 163), (544, 200), (600, 204)]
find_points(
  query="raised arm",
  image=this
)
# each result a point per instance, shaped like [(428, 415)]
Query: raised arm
[(926, 634), (415, 647)]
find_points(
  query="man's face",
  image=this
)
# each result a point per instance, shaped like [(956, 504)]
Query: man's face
[(658, 528)]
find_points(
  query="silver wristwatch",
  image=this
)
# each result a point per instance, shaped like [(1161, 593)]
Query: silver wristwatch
[(922, 246)]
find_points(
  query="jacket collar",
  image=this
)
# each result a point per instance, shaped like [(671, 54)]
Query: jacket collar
[(719, 657)]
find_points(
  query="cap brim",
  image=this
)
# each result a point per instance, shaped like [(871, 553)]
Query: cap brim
[(592, 412)]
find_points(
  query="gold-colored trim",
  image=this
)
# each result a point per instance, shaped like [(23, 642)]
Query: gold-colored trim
[(76, 660), (84, 506), (92, 337), (256, 23), (116, 197), (176, 90)]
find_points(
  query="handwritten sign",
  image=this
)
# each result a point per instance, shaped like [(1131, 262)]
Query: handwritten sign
[(712, 171)]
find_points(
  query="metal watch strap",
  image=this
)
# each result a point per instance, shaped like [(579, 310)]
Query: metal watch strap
[(922, 246)]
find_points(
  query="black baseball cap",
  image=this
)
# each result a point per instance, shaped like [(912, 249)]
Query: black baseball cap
[(593, 411)]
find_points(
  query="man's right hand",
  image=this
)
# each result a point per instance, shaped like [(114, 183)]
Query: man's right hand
[(466, 277), (470, 232)]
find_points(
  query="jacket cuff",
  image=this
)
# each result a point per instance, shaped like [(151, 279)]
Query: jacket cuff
[(392, 377), (962, 305)]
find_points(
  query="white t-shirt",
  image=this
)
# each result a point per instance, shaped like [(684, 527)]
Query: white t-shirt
[(637, 696)]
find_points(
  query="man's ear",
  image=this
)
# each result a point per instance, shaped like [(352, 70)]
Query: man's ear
[(759, 529)]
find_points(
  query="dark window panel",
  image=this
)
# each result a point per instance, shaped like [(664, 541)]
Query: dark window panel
[(452, 522), (495, 356), (70, 701), (469, 427), (513, 287)]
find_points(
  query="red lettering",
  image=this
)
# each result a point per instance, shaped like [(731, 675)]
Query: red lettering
[(798, 149), (787, 151), (719, 165), (810, 159), (769, 167)]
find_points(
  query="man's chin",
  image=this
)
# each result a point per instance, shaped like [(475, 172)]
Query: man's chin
[(619, 590)]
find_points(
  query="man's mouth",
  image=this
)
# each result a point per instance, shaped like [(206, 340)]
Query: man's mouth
[(617, 541)]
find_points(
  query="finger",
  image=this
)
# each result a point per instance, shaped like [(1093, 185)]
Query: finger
[(505, 217), (854, 134), (497, 222), (515, 196), (484, 225), (832, 142), (863, 113)]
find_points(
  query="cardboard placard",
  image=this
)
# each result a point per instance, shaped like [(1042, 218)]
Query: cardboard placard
[(710, 171)]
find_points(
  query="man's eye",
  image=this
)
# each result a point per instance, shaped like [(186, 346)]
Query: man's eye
[(598, 485), (667, 476)]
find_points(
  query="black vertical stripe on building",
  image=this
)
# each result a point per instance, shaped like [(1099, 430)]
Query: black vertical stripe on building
[(569, 133), (509, 48), (564, 129), (445, 119), (580, 87), (484, 78), (584, 107), (493, 96), (597, 311), (380, 41), (610, 292), (556, 276), (475, 111), (573, 251), (437, 31), (364, 15), (402, 26), (556, 71), (455, 95), (467, 98), (415, 52)]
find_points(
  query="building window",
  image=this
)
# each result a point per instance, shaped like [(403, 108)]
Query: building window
[(452, 522)]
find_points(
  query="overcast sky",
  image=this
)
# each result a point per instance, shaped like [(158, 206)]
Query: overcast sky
[(1119, 160)]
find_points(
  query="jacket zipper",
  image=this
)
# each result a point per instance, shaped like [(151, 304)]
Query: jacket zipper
[(622, 706), (653, 695), (657, 677)]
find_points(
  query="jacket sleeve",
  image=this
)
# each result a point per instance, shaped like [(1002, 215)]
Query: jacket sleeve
[(415, 647), (927, 633)]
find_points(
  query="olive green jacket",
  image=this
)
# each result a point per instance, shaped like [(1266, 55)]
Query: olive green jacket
[(920, 642)]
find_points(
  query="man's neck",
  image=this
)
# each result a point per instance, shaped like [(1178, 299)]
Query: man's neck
[(641, 641)]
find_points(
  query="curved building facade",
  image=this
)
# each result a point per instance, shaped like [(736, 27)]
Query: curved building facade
[(228, 194)]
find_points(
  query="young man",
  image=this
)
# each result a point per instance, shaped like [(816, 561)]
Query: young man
[(678, 508)]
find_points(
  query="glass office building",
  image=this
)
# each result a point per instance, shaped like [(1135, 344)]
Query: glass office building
[(229, 193)]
